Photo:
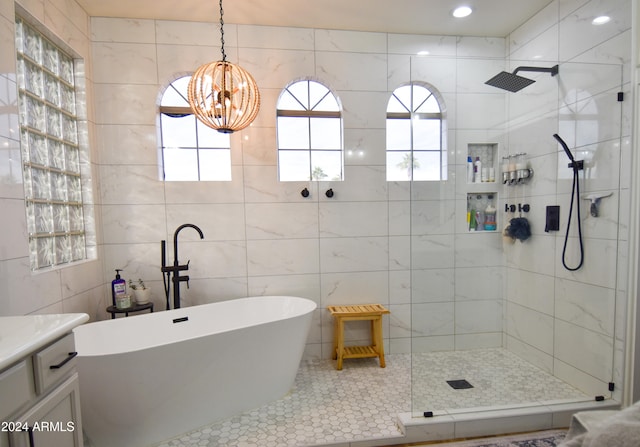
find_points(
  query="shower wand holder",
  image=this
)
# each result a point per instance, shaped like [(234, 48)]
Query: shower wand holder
[(578, 165)]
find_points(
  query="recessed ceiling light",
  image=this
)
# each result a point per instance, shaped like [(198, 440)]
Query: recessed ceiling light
[(423, 53), (461, 11), (600, 20)]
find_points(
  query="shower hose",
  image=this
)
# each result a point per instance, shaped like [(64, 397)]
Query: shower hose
[(575, 193)]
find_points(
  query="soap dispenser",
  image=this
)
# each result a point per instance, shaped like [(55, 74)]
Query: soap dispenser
[(118, 287)]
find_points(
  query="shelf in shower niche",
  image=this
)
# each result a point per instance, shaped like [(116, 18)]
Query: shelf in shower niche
[(482, 213), (482, 188)]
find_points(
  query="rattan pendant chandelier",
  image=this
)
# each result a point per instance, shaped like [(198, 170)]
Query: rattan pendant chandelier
[(223, 95)]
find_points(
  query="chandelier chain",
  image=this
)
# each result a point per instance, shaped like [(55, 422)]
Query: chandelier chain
[(224, 55), (222, 95)]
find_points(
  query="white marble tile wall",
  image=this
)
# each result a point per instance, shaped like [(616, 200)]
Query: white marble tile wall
[(367, 244), (568, 322), (78, 288)]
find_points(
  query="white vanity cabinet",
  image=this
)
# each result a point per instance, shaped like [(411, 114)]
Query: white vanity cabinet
[(39, 393)]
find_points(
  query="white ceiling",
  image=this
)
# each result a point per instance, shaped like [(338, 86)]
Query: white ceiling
[(495, 18)]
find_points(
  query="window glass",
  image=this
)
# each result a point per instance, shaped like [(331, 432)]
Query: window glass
[(178, 131), (309, 129), (191, 151), (426, 134), (325, 133), (293, 132), (211, 138), (415, 135), (50, 150), (398, 134), (325, 165), (426, 165), (399, 165), (180, 164), (294, 165)]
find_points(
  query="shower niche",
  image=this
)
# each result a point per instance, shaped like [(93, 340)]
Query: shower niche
[(481, 167), (481, 181), (481, 212)]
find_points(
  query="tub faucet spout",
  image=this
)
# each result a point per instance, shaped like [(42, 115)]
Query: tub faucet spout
[(175, 270), (175, 240)]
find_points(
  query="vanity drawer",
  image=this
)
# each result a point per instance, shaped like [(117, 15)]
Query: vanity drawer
[(54, 362), (16, 388)]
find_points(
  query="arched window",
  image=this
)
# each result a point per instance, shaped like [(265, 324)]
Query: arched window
[(191, 151), (309, 133), (415, 135)]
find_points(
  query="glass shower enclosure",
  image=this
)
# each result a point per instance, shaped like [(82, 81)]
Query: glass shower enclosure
[(495, 320)]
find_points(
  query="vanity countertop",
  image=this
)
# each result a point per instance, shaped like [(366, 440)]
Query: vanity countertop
[(21, 335)]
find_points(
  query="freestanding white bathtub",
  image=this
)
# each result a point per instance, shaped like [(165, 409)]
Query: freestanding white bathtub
[(151, 377)]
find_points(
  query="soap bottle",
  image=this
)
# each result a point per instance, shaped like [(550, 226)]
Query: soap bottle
[(118, 287), (469, 169), (478, 170), (490, 218)]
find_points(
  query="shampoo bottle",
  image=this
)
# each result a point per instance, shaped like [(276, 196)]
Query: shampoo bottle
[(118, 287), (478, 166), (469, 169)]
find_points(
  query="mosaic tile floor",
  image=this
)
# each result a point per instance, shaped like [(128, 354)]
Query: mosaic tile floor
[(326, 406), (498, 378)]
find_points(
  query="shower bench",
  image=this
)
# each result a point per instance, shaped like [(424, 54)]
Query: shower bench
[(366, 312)]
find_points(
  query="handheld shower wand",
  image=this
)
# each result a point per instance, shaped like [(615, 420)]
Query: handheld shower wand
[(576, 165)]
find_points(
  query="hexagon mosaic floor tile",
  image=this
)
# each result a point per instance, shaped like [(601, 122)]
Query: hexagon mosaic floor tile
[(361, 402)]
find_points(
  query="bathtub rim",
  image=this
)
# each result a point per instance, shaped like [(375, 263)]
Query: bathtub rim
[(307, 306)]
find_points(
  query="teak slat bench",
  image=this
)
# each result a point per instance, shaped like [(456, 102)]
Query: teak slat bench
[(371, 312)]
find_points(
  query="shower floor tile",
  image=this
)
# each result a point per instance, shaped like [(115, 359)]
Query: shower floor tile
[(361, 402), (499, 378)]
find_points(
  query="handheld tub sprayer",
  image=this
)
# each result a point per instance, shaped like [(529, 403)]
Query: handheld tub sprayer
[(576, 165)]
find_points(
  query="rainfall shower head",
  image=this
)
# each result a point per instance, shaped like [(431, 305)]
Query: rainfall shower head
[(514, 83)]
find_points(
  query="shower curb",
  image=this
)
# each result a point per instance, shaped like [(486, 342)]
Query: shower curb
[(484, 421)]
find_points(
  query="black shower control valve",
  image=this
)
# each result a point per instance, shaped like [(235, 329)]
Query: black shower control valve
[(329, 193), (524, 207), (553, 218), (304, 193)]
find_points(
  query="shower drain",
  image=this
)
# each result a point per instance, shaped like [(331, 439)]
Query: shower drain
[(459, 384)]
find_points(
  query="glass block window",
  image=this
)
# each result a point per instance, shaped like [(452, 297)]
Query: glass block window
[(191, 151), (51, 155), (309, 130), (415, 135)]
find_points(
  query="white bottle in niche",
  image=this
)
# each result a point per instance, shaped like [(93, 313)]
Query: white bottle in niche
[(469, 169), (478, 170)]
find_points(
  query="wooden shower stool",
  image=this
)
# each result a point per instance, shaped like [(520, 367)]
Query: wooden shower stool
[(370, 312)]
